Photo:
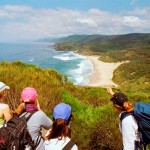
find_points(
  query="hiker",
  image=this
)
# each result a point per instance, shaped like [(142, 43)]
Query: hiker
[(128, 126), (59, 135), (5, 113), (38, 120)]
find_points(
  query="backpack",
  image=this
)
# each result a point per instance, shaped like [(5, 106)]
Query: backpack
[(14, 134), (142, 115)]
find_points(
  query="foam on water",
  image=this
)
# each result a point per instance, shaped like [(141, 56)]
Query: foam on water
[(80, 75), (81, 70), (68, 56), (32, 59)]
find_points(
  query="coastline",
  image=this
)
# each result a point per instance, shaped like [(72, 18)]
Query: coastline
[(102, 73)]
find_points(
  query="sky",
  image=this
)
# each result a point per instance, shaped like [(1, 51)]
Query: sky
[(22, 20)]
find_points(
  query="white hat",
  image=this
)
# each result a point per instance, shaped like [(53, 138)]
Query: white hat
[(3, 86)]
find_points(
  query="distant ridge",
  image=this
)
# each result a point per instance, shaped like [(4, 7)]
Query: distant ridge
[(99, 38)]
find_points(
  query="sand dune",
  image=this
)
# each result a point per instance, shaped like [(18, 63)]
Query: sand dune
[(102, 72)]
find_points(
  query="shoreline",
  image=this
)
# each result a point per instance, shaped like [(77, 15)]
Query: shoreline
[(102, 73)]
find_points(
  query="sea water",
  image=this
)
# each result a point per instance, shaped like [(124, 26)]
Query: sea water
[(76, 67)]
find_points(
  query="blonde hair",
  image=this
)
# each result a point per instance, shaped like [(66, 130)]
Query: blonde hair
[(20, 109)]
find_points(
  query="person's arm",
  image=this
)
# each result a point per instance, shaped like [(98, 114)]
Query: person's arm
[(6, 112), (128, 133), (38, 105), (110, 91), (46, 121)]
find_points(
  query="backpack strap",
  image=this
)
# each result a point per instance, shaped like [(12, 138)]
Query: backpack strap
[(69, 145), (138, 144), (37, 141), (124, 115), (27, 115)]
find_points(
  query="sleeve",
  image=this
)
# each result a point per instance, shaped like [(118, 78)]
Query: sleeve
[(46, 122), (128, 133)]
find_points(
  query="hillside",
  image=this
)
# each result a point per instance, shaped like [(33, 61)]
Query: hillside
[(94, 117), (87, 44), (99, 38), (135, 75)]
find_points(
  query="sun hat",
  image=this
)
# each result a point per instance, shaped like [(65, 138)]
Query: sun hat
[(119, 98), (3, 86), (62, 111), (28, 95)]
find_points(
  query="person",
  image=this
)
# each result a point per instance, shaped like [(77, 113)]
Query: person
[(59, 135), (128, 126), (5, 113), (38, 120)]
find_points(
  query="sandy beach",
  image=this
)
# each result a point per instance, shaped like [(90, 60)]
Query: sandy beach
[(102, 72)]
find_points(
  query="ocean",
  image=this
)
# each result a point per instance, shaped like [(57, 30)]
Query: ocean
[(76, 67)]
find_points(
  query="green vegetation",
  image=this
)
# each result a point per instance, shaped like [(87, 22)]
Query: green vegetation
[(19, 75), (68, 46), (95, 123), (133, 76), (96, 44)]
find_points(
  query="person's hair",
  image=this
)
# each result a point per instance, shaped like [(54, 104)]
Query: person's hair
[(20, 109), (128, 106), (59, 129), (2, 94)]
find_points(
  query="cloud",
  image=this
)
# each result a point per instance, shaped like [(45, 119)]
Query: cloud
[(87, 22), (3, 14), (25, 22), (16, 8), (131, 20), (138, 11), (133, 2)]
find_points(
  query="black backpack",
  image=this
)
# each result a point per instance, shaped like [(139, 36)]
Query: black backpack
[(142, 115), (14, 134)]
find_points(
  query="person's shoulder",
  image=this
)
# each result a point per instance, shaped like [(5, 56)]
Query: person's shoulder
[(4, 106), (41, 114), (75, 147), (49, 143), (129, 120)]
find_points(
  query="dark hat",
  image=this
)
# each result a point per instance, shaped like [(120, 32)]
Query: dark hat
[(119, 98)]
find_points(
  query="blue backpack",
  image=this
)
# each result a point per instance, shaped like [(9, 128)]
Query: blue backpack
[(142, 115)]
